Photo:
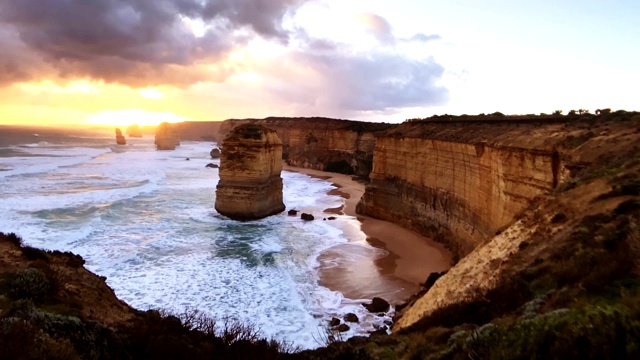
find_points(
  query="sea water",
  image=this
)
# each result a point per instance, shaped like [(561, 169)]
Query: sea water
[(145, 219)]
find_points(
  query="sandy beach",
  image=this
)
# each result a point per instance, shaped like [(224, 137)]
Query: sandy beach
[(381, 258)]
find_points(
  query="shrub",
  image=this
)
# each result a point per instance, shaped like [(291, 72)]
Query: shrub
[(12, 238), (30, 283), (32, 253)]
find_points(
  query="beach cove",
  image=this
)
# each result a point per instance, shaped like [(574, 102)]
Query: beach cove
[(381, 259)]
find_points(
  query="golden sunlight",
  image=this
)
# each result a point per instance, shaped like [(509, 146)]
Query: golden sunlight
[(134, 116), (151, 93), (73, 87)]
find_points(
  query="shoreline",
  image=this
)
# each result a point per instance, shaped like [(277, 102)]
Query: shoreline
[(381, 258)]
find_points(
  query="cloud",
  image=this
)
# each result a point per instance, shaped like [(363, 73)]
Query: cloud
[(424, 38), (353, 83), (130, 41), (142, 43), (378, 26)]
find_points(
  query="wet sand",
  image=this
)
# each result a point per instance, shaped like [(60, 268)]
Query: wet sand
[(381, 259)]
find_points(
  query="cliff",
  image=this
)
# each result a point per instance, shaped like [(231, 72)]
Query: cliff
[(120, 140), (166, 138), (250, 185), (342, 146), (459, 183), (200, 130), (499, 194)]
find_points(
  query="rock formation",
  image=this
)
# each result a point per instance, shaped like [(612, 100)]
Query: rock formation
[(250, 185), (134, 131), (120, 140), (215, 153), (165, 137), (342, 146)]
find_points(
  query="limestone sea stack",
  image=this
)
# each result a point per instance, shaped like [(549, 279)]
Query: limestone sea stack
[(165, 137), (250, 185), (120, 140), (134, 131)]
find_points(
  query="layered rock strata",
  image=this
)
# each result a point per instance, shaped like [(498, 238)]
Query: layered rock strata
[(120, 140), (166, 138), (342, 146), (250, 185), (459, 193)]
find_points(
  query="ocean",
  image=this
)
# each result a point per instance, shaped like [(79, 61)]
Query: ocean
[(145, 219)]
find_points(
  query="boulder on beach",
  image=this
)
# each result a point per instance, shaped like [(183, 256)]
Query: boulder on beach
[(334, 322), (211, 165), (351, 317), (306, 217), (292, 212), (377, 305), (215, 153), (343, 327)]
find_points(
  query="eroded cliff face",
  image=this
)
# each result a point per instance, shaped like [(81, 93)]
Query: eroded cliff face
[(499, 194), (323, 144), (166, 138), (250, 185), (459, 193)]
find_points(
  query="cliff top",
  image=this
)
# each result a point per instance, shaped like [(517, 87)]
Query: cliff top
[(318, 123), (253, 132), (543, 132)]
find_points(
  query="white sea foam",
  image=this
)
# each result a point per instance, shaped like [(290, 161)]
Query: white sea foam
[(145, 219)]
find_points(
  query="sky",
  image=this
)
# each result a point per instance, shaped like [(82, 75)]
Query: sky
[(118, 62)]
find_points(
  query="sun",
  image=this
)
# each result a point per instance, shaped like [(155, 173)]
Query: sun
[(123, 118)]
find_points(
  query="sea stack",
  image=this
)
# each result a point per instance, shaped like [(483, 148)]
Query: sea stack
[(250, 185), (120, 140), (165, 137), (134, 131)]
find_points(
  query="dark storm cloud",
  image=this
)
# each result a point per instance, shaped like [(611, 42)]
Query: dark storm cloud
[(129, 41)]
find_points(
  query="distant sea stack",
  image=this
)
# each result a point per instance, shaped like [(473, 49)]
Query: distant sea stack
[(134, 131), (120, 140), (165, 137), (250, 185)]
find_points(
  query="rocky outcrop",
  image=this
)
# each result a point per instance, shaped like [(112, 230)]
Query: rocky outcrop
[(134, 131), (250, 185), (166, 138), (120, 140), (342, 146)]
